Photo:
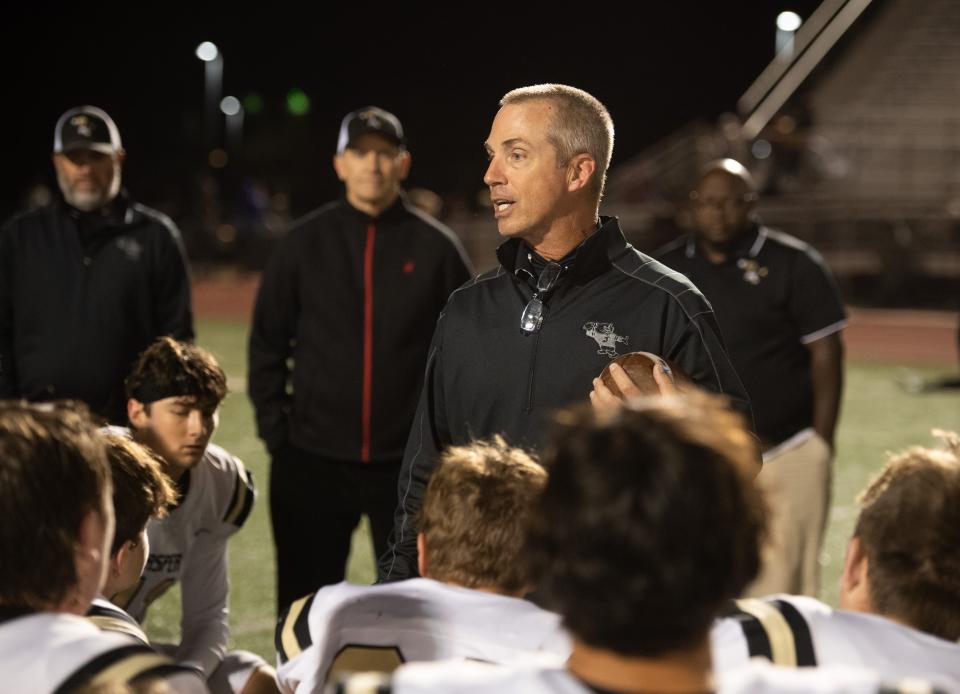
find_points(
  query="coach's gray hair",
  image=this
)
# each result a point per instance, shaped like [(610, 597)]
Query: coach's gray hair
[(581, 125)]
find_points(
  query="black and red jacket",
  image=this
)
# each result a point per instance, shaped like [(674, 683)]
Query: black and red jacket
[(353, 300)]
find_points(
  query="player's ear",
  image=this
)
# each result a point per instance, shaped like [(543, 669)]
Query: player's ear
[(422, 555), (137, 413), (88, 561), (118, 559), (854, 581)]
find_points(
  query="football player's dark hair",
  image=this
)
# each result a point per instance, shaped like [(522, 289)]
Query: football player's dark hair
[(650, 522), (170, 368), (53, 472), (909, 526), (141, 489)]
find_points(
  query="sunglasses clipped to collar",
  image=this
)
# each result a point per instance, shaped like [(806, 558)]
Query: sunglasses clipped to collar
[(532, 317)]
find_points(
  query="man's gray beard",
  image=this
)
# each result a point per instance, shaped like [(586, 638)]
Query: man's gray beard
[(88, 200)]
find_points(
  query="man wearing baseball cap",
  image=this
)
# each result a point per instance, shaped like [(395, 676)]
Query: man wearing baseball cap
[(89, 281), (351, 295)]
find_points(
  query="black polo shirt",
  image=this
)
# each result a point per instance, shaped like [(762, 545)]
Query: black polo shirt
[(772, 297)]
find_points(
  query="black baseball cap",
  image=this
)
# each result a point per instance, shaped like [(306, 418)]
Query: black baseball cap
[(86, 127), (369, 120)]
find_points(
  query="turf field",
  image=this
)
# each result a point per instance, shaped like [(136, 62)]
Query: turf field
[(878, 416)]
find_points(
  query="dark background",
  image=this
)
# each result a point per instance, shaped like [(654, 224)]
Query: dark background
[(440, 68)]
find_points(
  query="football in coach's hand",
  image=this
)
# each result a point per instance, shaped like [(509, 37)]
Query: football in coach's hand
[(639, 367)]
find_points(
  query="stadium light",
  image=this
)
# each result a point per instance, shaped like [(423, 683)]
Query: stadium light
[(230, 105), (788, 21), (207, 51), (787, 24), (212, 87)]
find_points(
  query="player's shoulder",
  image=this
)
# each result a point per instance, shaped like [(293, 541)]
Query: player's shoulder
[(317, 610), (226, 476), (74, 653), (108, 617), (778, 628), (292, 635)]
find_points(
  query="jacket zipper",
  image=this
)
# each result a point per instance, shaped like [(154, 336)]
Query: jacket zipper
[(367, 343), (533, 370)]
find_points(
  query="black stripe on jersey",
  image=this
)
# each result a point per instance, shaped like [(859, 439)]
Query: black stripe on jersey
[(135, 661), (294, 622), (242, 500), (758, 642), (806, 656)]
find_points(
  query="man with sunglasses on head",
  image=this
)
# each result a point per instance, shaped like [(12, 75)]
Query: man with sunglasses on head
[(569, 295), (89, 281)]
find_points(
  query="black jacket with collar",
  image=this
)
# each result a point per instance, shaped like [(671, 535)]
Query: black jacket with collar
[(353, 300), (486, 377), (82, 294)]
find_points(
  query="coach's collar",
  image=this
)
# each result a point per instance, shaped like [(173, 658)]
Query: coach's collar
[(588, 260)]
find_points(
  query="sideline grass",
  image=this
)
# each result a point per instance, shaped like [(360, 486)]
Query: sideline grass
[(878, 417)]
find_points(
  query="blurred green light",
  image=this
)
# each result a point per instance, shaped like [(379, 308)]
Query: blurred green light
[(298, 103), (253, 103)]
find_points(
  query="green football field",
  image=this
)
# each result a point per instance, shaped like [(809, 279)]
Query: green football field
[(878, 416)]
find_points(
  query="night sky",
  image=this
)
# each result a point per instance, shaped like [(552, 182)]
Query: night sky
[(440, 68)]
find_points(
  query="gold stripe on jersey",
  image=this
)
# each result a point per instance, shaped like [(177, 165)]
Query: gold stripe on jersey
[(242, 497), (289, 643), (354, 658), (129, 668), (107, 623), (783, 647)]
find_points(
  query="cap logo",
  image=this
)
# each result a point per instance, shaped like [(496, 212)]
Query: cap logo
[(82, 124)]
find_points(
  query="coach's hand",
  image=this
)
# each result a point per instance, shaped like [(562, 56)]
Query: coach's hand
[(602, 398)]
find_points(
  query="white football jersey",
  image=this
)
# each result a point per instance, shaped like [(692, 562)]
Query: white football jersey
[(190, 546), (348, 627), (758, 677), (796, 630), (54, 652)]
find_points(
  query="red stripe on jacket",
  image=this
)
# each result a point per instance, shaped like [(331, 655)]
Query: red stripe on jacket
[(367, 342)]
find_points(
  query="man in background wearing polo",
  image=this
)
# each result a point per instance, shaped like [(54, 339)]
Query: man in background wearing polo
[(89, 281), (781, 315), (351, 296)]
